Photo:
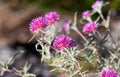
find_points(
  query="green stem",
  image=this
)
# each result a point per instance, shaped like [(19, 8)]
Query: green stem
[(76, 64)]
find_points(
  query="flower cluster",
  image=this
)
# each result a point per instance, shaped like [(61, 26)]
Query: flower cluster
[(73, 59), (42, 22), (63, 41), (91, 26), (108, 72)]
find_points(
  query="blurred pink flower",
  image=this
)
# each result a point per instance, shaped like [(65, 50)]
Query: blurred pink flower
[(108, 72), (37, 23), (97, 5), (51, 17), (63, 41), (86, 14), (65, 25), (90, 27)]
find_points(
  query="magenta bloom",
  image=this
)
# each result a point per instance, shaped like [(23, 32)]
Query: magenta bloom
[(86, 14), (90, 27), (51, 17), (63, 41), (108, 72), (37, 23), (97, 5), (65, 25)]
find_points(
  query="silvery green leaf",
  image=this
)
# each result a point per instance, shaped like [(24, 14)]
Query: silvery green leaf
[(18, 71), (47, 50), (36, 46), (75, 19), (97, 19), (108, 20)]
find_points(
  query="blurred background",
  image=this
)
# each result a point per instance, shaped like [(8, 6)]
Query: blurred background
[(15, 16)]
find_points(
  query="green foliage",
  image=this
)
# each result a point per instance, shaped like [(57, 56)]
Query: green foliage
[(4, 67), (81, 60)]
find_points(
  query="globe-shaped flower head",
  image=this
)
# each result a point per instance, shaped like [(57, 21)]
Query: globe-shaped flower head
[(51, 17), (65, 26), (63, 41), (90, 27), (108, 72), (97, 6), (36, 24)]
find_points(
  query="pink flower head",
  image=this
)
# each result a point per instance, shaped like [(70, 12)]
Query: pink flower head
[(65, 25), (63, 41), (51, 17), (90, 27), (97, 5), (37, 23), (86, 14), (108, 72)]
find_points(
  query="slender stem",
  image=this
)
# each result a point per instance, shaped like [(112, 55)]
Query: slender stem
[(99, 34), (81, 35), (101, 15), (11, 70), (108, 29), (47, 44), (50, 46), (78, 68), (97, 57), (32, 37), (77, 64), (70, 54), (14, 72), (105, 36), (111, 36)]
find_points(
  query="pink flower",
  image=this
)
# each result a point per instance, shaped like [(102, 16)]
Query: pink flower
[(51, 17), (65, 25), (97, 5), (86, 14), (63, 41), (37, 23), (90, 27), (108, 72)]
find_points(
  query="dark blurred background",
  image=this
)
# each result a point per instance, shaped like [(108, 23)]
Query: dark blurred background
[(15, 16)]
